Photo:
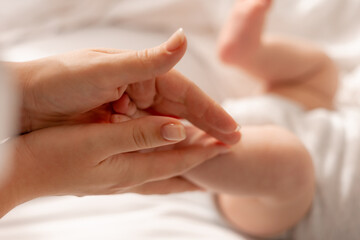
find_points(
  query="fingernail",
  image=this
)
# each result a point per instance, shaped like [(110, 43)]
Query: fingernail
[(176, 40), (237, 128), (173, 132)]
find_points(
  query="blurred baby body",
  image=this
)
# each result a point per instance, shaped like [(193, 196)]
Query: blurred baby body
[(294, 109)]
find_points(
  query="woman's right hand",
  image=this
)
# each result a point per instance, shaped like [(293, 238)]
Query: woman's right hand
[(96, 159), (82, 86)]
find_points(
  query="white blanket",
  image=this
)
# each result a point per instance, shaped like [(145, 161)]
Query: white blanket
[(35, 28)]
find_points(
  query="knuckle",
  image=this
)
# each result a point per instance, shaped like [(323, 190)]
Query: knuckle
[(146, 60), (140, 139)]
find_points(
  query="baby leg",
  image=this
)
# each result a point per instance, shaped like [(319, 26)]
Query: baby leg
[(265, 185), (289, 67)]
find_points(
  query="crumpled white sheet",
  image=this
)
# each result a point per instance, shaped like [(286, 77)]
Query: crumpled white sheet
[(333, 26), (35, 28), (31, 19)]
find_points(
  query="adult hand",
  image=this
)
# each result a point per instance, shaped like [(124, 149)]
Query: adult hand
[(80, 87), (92, 159)]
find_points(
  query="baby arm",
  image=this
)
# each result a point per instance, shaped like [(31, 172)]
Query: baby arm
[(265, 185)]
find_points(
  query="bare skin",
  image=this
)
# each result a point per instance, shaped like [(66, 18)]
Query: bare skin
[(70, 149), (266, 184), (289, 67)]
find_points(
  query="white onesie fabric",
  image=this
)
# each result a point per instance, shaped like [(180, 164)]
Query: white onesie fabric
[(333, 140)]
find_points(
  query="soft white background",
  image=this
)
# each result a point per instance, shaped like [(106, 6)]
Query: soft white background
[(35, 28)]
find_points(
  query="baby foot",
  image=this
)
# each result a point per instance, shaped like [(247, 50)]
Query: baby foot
[(241, 35), (124, 106), (125, 109)]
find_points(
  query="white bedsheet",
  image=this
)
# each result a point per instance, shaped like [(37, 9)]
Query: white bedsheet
[(27, 32), (128, 217)]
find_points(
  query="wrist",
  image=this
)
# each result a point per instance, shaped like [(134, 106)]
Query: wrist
[(21, 73), (8, 199), (21, 183)]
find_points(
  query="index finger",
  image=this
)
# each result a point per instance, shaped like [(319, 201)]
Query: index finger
[(177, 96)]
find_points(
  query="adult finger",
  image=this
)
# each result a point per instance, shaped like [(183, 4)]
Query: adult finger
[(177, 96), (136, 66), (106, 140), (172, 185), (155, 166)]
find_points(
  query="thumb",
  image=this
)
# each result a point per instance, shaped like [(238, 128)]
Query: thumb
[(136, 66), (133, 135)]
